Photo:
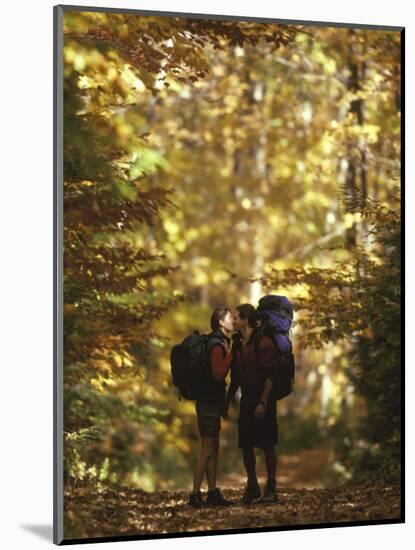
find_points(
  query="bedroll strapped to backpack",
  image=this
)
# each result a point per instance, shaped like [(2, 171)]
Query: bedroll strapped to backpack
[(190, 366), (275, 316)]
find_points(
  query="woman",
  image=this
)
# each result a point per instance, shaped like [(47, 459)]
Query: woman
[(210, 408)]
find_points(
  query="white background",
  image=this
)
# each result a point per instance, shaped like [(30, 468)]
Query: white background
[(26, 73)]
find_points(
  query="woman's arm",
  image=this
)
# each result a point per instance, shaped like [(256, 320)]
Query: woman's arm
[(220, 361)]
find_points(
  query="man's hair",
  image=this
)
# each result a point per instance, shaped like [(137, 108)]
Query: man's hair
[(219, 314), (247, 311)]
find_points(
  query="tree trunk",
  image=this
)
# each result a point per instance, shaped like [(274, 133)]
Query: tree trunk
[(356, 186)]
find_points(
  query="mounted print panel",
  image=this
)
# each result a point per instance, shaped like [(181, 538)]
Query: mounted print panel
[(227, 275)]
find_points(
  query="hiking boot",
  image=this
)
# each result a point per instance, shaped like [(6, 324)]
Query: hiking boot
[(270, 493), (196, 500), (215, 498), (251, 493)]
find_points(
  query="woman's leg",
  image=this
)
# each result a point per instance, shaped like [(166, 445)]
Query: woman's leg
[(212, 465), (206, 452)]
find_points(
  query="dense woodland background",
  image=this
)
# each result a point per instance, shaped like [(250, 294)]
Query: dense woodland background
[(210, 162)]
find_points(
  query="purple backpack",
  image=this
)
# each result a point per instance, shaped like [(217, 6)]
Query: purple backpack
[(275, 316)]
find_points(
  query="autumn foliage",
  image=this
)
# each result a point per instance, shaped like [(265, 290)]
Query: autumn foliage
[(210, 162)]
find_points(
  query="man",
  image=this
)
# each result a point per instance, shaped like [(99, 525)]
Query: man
[(253, 369), (210, 409)]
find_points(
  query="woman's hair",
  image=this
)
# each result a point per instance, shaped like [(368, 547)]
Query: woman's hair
[(219, 314), (247, 311)]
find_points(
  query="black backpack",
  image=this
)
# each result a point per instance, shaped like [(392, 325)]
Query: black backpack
[(190, 367), (274, 319)]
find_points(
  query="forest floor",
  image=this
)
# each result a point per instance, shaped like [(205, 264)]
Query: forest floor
[(124, 511), (134, 512)]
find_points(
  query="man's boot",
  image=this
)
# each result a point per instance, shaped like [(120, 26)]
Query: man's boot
[(252, 492), (270, 493)]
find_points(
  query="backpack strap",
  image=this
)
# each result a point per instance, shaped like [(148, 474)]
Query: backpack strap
[(237, 343), (256, 338), (212, 341)]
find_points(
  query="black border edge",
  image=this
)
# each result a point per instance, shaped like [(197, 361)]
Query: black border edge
[(58, 13), (402, 208), (211, 533), (57, 274), (230, 17)]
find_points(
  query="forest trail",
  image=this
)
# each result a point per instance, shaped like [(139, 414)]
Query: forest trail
[(124, 511), (302, 470)]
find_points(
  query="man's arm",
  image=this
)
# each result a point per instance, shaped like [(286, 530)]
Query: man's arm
[(268, 358), (233, 388), (235, 378), (267, 390)]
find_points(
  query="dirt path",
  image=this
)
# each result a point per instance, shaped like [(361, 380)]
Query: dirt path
[(303, 470), (125, 511)]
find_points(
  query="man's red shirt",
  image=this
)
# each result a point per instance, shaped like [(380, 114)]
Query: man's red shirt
[(246, 369)]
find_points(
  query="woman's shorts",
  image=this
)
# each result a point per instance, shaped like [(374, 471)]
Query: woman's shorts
[(208, 417)]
